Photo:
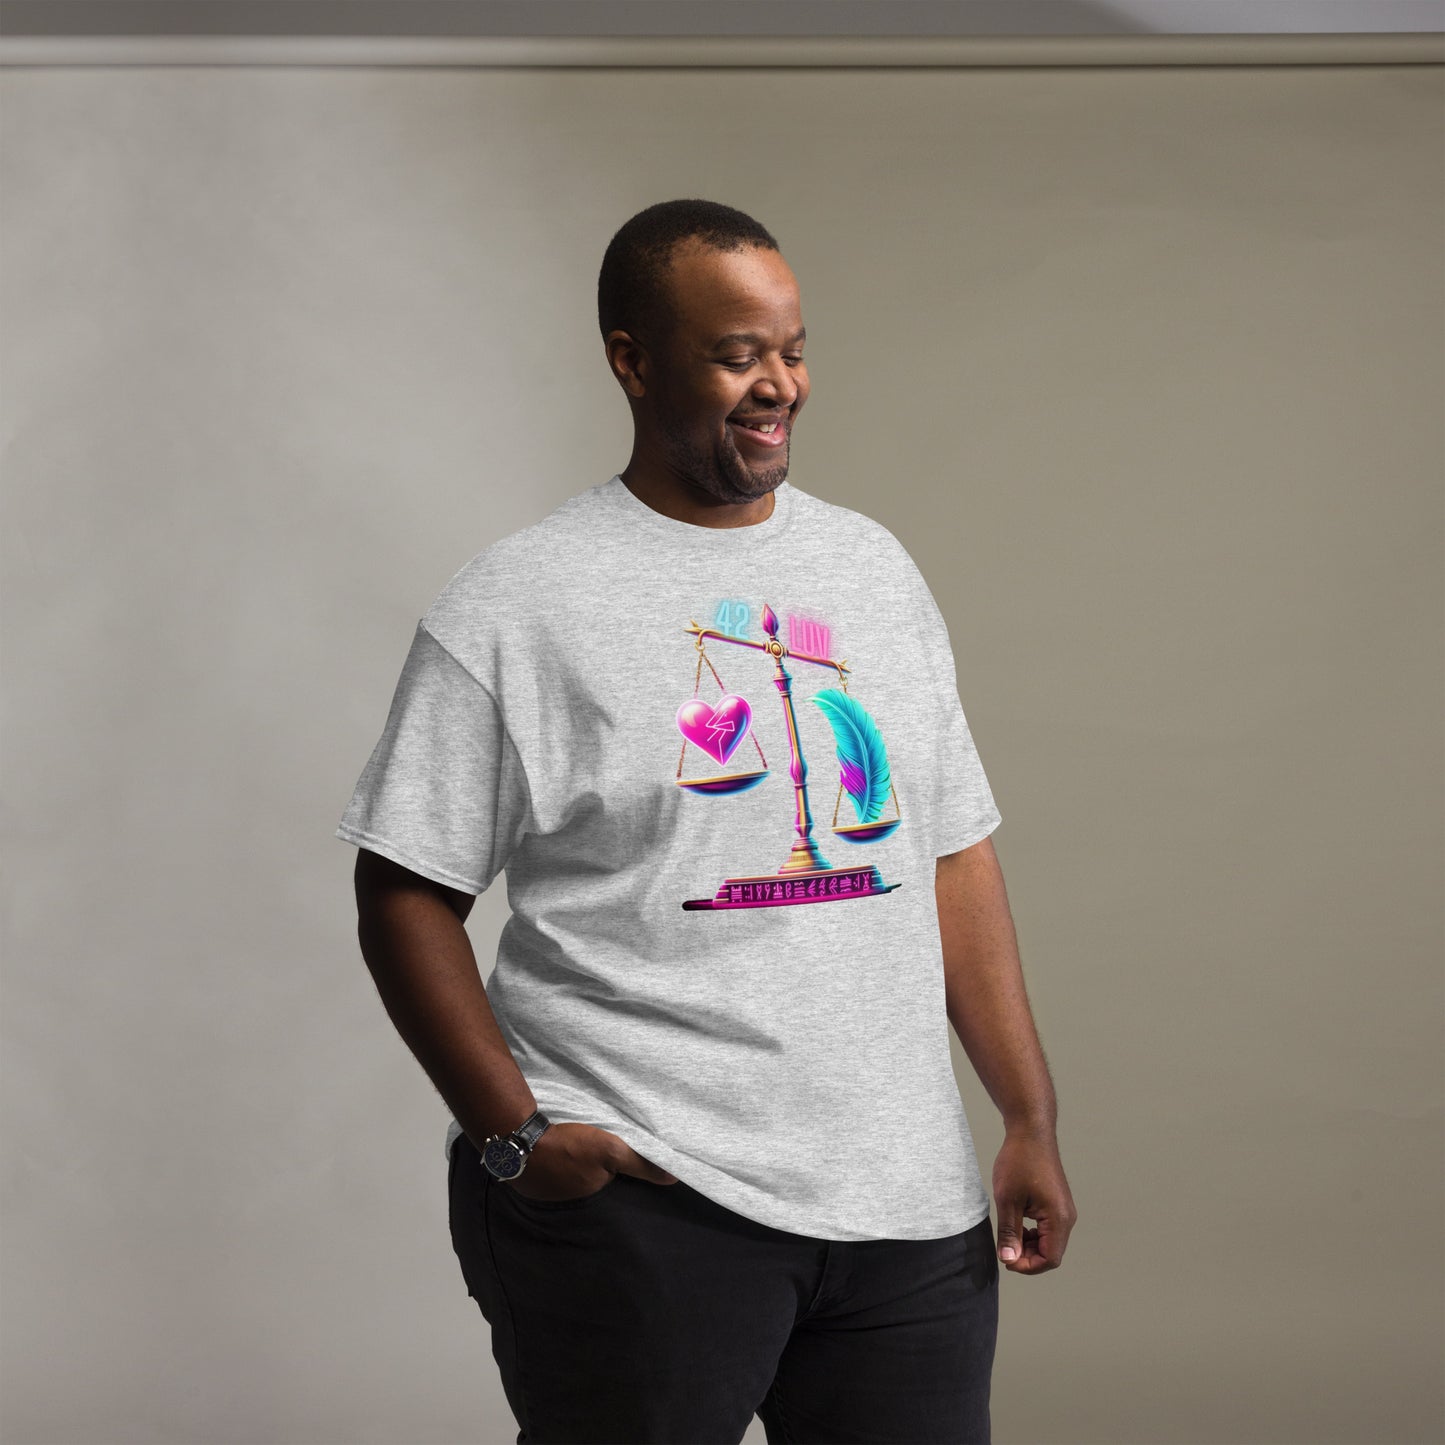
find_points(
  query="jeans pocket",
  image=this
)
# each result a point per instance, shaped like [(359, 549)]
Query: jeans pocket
[(548, 1205)]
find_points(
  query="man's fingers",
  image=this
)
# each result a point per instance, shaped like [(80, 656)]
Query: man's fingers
[(1054, 1239), (646, 1169), (1010, 1231), (1038, 1254)]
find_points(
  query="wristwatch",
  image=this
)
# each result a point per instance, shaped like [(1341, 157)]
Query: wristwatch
[(505, 1155)]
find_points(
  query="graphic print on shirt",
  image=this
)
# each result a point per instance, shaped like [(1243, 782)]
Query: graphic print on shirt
[(718, 729)]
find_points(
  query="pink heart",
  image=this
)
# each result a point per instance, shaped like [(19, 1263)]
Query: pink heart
[(717, 728)]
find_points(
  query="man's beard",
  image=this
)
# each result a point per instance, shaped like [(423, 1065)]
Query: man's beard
[(720, 470)]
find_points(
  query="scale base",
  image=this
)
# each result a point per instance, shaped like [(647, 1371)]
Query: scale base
[(813, 885)]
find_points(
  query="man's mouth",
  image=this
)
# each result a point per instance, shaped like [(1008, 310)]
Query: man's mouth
[(771, 431)]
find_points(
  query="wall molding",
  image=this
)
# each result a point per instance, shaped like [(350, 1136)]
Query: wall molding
[(725, 52)]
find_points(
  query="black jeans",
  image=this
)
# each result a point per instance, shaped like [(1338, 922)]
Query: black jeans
[(649, 1313)]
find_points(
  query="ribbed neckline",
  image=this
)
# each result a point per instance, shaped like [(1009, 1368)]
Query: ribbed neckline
[(616, 494)]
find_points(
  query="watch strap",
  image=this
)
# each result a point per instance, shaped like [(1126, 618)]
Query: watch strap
[(532, 1129)]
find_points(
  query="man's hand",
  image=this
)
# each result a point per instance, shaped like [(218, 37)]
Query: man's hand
[(571, 1161), (1028, 1179)]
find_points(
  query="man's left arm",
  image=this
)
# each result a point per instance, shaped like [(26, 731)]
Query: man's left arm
[(989, 1010)]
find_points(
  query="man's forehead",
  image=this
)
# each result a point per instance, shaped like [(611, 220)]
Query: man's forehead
[(754, 338), (725, 296)]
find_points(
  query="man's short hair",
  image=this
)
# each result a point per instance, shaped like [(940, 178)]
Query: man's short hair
[(632, 288)]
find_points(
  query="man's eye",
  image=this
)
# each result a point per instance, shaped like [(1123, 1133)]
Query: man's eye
[(742, 365)]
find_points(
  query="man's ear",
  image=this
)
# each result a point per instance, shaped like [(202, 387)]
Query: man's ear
[(629, 361)]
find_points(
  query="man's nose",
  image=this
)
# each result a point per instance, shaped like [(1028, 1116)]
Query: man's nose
[(777, 387)]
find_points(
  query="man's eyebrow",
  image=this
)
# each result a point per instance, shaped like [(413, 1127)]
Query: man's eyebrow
[(748, 338)]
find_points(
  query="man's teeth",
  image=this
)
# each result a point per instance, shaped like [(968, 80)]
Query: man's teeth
[(771, 426)]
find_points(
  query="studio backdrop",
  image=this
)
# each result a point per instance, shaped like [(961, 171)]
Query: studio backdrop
[(1143, 364)]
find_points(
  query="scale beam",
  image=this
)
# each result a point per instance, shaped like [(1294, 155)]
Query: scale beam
[(840, 667)]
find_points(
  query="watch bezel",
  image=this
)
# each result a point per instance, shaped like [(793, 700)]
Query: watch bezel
[(503, 1157)]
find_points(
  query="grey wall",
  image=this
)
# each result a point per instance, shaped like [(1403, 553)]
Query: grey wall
[(1143, 365)]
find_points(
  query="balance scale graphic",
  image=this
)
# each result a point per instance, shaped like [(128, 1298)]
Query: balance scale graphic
[(718, 730)]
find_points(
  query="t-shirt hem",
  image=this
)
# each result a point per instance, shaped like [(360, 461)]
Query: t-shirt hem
[(723, 1189), (362, 839)]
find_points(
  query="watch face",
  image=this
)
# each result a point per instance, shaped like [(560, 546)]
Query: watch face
[(503, 1158)]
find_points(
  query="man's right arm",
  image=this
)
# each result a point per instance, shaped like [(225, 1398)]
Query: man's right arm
[(414, 941)]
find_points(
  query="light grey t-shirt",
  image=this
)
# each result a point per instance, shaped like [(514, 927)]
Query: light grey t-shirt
[(740, 978)]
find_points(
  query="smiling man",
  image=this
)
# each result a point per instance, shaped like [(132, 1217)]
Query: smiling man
[(715, 394), (708, 1156)]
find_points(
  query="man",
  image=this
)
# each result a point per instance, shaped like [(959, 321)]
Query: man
[(708, 1156)]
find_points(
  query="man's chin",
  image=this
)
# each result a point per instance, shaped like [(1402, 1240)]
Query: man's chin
[(767, 478), (758, 491), (751, 482)]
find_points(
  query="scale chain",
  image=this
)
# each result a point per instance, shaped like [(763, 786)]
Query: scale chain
[(696, 681)]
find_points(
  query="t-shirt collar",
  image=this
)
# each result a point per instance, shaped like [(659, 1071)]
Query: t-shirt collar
[(618, 495)]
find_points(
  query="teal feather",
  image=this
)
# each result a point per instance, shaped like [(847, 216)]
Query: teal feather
[(861, 753)]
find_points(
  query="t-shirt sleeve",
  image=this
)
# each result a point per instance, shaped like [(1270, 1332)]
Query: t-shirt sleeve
[(444, 792), (963, 811)]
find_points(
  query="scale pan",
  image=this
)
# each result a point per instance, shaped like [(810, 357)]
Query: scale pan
[(726, 783), (867, 832)]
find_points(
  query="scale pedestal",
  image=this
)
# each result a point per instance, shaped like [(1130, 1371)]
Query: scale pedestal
[(801, 885)]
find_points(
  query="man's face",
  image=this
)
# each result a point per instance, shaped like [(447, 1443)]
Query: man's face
[(736, 353)]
